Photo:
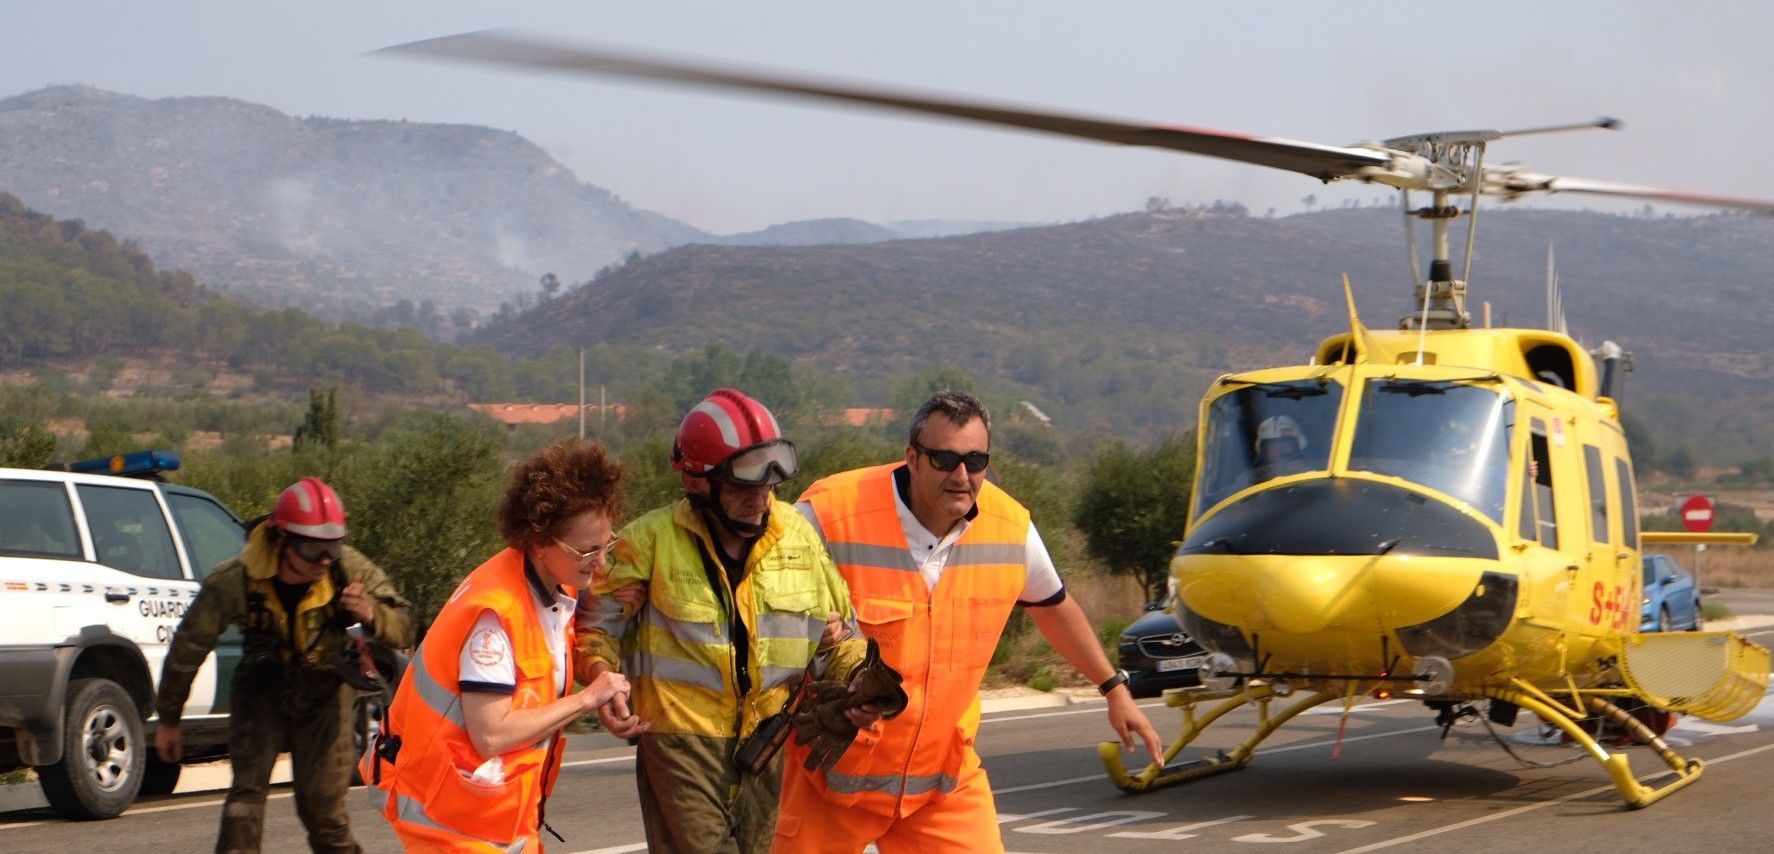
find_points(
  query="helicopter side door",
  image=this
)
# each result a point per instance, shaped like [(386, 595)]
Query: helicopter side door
[(1623, 512), (1555, 554), (1611, 583)]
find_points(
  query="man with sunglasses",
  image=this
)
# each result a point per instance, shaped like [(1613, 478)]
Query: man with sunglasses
[(293, 591), (936, 558), (739, 594)]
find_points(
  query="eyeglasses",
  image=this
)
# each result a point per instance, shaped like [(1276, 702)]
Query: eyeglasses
[(584, 557), (315, 551), (976, 461), (761, 465)]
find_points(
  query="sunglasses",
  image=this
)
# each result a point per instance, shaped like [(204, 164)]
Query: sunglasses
[(315, 551), (761, 465), (583, 557), (976, 461)]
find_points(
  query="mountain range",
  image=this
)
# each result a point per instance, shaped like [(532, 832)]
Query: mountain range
[(340, 215)]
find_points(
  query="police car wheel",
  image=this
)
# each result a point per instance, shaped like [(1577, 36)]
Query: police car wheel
[(103, 753)]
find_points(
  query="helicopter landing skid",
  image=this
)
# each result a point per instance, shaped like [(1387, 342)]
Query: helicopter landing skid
[(1160, 774), (1637, 795)]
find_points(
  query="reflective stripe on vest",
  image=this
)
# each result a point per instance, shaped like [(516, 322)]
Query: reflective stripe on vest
[(940, 639), (889, 784), (429, 782), (678, 650), (408, 811)]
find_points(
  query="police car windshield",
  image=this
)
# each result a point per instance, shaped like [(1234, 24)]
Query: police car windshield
[(1450, 437), (1267, 430)]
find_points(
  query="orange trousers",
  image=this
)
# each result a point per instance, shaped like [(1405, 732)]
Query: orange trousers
[(963, 822)]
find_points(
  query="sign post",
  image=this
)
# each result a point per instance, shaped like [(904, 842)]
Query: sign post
[(1697, 517)]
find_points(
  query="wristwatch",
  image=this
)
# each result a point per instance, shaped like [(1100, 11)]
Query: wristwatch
[(1119, 678)]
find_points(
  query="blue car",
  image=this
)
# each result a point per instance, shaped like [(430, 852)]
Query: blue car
[(1672, 599)]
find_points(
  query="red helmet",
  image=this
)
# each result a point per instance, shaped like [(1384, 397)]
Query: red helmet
[(731, 437), (310, 508)]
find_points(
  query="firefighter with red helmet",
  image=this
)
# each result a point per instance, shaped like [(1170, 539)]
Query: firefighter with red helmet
[(293, 591), (742, 605)]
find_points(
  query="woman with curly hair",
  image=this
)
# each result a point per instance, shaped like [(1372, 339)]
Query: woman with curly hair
[(473, 742)]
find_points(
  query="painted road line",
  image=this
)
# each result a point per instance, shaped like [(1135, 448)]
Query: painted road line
[(578, 762), (1281, 749), (1588, 793)]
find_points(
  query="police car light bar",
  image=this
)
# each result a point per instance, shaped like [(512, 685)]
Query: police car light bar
[(133, 464)]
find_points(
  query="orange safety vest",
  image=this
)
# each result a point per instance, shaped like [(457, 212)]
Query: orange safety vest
[(429, 785), (940, 640)]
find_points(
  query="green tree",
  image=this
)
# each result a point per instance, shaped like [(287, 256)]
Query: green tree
[(25, 444), (320, 426), (1132, 506), (421, 504)]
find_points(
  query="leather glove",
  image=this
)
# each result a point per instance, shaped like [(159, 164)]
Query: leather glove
[(355, 664), (820, 722)]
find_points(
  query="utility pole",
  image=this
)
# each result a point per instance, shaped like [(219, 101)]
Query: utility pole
[(603, 409), (581, 392)]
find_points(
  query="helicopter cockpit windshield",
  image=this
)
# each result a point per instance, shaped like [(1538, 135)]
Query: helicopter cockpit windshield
[(1446, 435), (1268, 430)]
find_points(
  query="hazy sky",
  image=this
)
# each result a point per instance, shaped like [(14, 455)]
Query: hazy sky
[(1692, 81)]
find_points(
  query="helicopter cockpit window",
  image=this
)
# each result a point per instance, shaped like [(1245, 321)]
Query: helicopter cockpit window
[(1448, 436), (1267, 430)]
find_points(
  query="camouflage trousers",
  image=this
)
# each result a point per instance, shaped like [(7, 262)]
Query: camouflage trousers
[(695, 799), (308, 714)]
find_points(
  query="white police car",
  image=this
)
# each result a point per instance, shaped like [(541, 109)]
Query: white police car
[(96, 570)]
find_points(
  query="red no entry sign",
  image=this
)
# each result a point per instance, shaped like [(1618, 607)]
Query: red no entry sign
[(1697, 514)]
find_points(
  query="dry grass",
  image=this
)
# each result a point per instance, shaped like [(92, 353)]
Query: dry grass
[(1024, 658)]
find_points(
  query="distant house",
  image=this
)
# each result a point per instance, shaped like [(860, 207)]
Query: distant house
[(867, 417), (514, 414)]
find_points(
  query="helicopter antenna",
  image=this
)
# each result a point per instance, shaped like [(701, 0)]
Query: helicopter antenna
[(1555, 304)]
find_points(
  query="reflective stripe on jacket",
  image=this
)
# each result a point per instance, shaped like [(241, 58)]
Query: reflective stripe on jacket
[(430, 783), (678, 650), (940, 640)]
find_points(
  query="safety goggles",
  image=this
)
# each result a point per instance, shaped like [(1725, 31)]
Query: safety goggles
[(315, 551), (760, 465), (584, 557), (976, 461)]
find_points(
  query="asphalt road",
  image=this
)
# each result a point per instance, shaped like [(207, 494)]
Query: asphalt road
[(1394, 784)]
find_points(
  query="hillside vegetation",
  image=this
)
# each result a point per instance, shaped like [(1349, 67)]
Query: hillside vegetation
[(1117, 325)]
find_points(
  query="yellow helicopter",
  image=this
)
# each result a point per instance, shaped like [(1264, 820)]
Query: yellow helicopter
[(1437, 512)]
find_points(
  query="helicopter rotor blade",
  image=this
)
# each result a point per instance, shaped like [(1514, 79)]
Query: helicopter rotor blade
[(1518, 183), (506, 48)]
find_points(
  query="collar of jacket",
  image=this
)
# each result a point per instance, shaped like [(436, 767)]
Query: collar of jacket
[(686, 517), (260, 554)]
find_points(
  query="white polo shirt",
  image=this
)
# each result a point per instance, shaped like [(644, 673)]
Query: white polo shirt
[(487, 665), (931, 552)]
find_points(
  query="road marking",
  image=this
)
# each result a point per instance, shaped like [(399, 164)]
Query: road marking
[(216, 802), (578, 762), (1530, 807), (279, 795), (1281, 749), (1094, 709)]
